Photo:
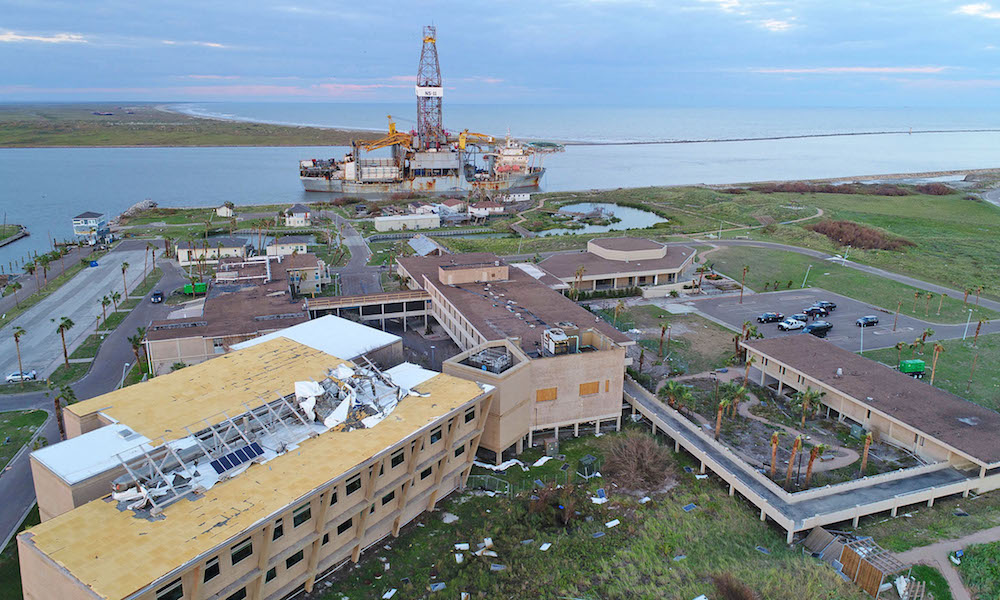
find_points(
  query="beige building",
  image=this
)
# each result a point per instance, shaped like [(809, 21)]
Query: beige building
[(247, 477), (555, 365), (210, 251), (620, 263), (298, 216), (288, 245), (407, 222), (931, 423), (225, 212)]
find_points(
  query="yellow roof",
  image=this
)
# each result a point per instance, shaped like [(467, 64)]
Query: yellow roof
[(196, 396), (99, 544)]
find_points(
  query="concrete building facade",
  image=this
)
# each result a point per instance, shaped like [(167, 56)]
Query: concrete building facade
[(620, 263), (210, 251), (407, 222), (298, 216), (91, 226)]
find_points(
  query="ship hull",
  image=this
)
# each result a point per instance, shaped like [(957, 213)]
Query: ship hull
[(422, 185)]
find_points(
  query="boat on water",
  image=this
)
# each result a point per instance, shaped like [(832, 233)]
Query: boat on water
[(430, 160)]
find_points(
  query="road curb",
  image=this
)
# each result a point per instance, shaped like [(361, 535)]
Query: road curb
[(29, 442), (11, 535)]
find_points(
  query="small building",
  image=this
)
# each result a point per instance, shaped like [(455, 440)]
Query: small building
[(425, 246), (513, 197), (453, 205), (485, 208), (422, 208), (225, 211), (306, 273), (289, 244), (297, 216), (620, 263), (211, 250), (92, 227), (407, 222)]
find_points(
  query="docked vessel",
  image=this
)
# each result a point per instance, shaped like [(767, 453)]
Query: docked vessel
[(429, 160)]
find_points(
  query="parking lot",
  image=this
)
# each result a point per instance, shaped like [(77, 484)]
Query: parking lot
[(845, 333)]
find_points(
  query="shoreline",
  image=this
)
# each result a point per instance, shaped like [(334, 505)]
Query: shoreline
[(166, 108)]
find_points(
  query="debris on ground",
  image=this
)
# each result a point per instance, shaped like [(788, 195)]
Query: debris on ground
[(437, 587), (462, 546), (389, 594), (544, 547), (644, 499), (541, 461), (701, 476), (679, 557), (763, 550), (612, 523), (459, 557), (597, 534), (526, 542), (448, 518), (496, 567), (690, 507)]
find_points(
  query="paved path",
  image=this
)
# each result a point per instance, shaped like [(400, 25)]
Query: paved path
[(936, 555), (357, 277)]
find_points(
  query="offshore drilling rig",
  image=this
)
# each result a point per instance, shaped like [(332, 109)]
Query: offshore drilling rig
[(429, 160)]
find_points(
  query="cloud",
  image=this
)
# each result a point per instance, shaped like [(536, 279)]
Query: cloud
[(13, 37), (210, 77), (930, 69), (950, 84), (776, 25), (730, 6), (982, 9), (194, 43)]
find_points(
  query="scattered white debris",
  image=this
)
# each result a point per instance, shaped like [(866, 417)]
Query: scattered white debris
[(597, 500), (701, 476), (389, 594), (448, 518), (459, 557), (702, 597), (634, 330), (541, 461), (644, 499), (501, 467), (487, 542), (612, 523), (490, 553), (901, 584), (466, 596), (462, 546), (545, 547), (954, 559), (598, 434)]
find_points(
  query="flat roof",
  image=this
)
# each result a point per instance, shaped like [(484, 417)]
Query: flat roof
[(963, 425), (92, 453), (564, 266), (330, 334), (626, 244), (213, 243), (539, 306), (198, 395), (117, 554)]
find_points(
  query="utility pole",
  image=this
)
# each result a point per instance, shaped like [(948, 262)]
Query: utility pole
[(743, 282), (807, 276), (896, 319), (969, 320)]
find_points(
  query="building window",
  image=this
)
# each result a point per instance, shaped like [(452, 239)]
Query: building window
[(397, 459), (426, 473), (344, 526), (326, 539), (294, 559), (239, 594), (271, 574), (388, 498), (211, 569), (587, 389), (470, 415), (279, 529), (869, 414), (242, 550), (544, 395), (172, 591), (333, 497), (353, 484), (301, 514), (436, 436), (460, 451), (218, 345)]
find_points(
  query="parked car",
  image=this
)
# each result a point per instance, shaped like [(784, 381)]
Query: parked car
[(800, 317), (790, 324), (829, 306), (867, 321), (17, 376), (770, 317), (157, 297), (816, 311), (818, 328)]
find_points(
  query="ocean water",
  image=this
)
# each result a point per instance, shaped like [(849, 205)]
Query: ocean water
[(44, 188)]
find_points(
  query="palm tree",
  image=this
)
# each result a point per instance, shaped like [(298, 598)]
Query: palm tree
[(672, 390), (791, 461), (125, 266), (642, 357), (663, 331), (578, 281), (926, 334), (723, 405), (44, 261), (65, 324), (938, 349), (774, 452), (115, 297), (899, 352), (136, 342), (927, 303), (619, 309), (864, 458), (979, 326), (145, 260), (19, 333), (29, 268), (808, 400), (743, 281), (738, 394), (14, 286), (917, 343), (166, 248), (916, 296), (105, 301), (64, 394), (746, 371), (814, 453)]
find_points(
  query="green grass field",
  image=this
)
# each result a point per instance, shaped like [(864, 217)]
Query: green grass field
[(636, 559), (937, 585), (89, 347), (8, 230), (18, 426), (767, 266), (149, 284), (954, 367), (980, 570), (928, 525)]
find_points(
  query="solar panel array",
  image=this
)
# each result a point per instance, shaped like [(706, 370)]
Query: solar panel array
[(237, 458)]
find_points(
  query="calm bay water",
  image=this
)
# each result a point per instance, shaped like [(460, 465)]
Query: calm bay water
[(44, 188)]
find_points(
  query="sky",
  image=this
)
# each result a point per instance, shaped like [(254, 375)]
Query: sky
[(618, 52)]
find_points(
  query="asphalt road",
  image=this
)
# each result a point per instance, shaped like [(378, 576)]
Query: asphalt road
[(357, 277), (845, 332)]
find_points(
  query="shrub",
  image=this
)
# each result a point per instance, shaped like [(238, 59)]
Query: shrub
[(636, 461), (935, 189), (848, 233)]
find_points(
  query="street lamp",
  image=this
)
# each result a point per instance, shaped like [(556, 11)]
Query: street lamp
[(124, 371), (807, 276), (432, 355), (969, 320)]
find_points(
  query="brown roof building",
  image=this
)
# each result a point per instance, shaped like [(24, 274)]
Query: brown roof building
[(928, 421), (622, 262), (555, 364)]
